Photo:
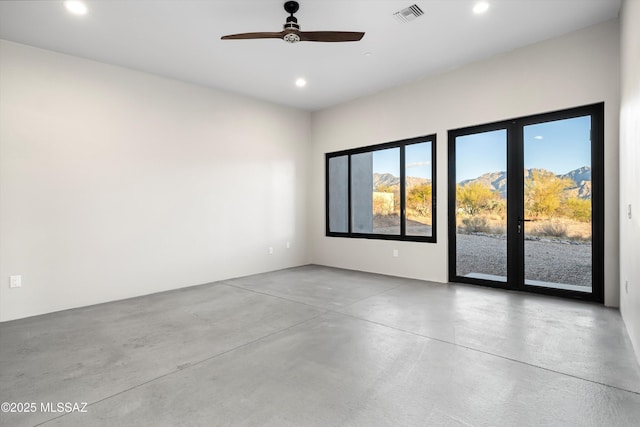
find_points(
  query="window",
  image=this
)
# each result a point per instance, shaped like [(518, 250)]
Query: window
[(384, 191)]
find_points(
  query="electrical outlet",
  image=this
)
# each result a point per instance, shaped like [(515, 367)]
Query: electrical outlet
[(395, 253), (15, 281), (288, 245), (270, 250)]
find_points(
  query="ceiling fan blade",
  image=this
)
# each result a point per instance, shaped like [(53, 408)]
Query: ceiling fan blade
[(330, 36), (245, 36)]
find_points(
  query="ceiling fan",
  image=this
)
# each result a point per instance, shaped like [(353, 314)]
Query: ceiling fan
[(292, 33)]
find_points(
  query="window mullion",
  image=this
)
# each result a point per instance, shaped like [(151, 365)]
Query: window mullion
[(403, 210), (349, 221)]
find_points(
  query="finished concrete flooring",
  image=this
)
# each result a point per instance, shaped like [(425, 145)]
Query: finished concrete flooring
[(317, 346)]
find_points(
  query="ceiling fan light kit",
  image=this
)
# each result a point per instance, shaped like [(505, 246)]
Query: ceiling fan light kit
[(292, 34)]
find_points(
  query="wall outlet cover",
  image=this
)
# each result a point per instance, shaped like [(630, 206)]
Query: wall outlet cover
[(15, 281)]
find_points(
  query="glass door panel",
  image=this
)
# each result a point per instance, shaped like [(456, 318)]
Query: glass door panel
[(558, 204), (481, 205)]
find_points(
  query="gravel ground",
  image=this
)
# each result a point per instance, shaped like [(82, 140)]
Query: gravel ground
[(548, 261), (545, 260)]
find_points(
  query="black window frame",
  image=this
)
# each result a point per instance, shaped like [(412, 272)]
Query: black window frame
[(401, 144)]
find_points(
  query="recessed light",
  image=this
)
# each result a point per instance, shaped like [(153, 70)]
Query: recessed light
[(301, 82), (537, 137), (480, 7), (368, 53), (76, 7)]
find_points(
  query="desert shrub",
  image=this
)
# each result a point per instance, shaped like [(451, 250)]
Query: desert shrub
[(580, 238), (551, 229), (476, 224), (382, 188), (498, 229), (575, 208), (383, 203), (544, 192), (475, 197), (419, 199), (386, 199), (498, 207)]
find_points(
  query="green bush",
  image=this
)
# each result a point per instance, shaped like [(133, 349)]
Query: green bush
[(419, 199), (578, 209), (475, 197), (544, 193)]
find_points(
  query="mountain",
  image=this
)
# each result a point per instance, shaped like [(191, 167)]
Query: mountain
[(497, 181), (389, 180), (385, 179), (582, 178), (579, 175)]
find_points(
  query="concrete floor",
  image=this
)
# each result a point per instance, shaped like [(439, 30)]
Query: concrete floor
[(316, 346)]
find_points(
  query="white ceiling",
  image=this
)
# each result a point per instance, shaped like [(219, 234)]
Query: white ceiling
[(181, 39)]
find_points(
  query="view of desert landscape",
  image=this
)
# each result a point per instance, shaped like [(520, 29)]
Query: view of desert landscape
[(557, 234), (557, 237)]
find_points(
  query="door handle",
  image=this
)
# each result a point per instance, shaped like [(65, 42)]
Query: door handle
[(520, 221)]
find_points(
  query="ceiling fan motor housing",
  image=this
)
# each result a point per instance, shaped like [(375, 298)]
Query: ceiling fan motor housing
[(292, 23), (292, 26), (291, 7)]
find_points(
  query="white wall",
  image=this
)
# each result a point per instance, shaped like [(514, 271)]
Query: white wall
[(629, 174), (577, 69), (115, 183)]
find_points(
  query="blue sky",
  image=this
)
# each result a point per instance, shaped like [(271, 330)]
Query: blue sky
[(417, 159), (560, 146), (480, 153)]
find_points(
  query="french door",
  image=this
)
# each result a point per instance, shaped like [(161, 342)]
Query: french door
[(526, 203)]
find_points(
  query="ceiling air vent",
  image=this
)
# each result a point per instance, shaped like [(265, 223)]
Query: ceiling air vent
[(408, 14)]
